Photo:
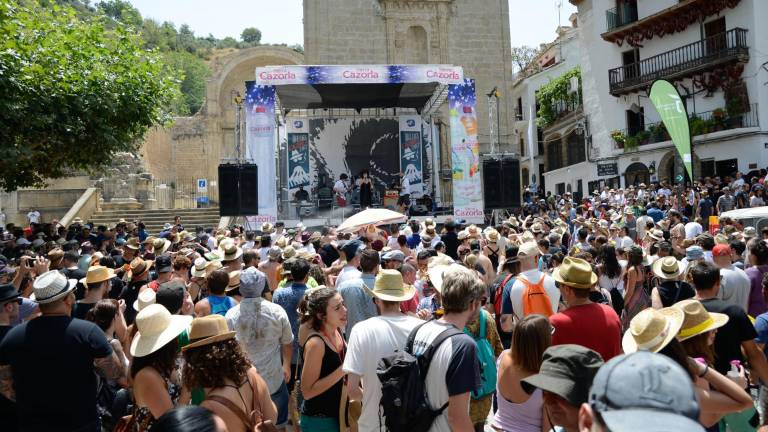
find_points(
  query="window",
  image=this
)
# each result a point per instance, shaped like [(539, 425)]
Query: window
[(630, 60), (540, 140), (522, 146), (714, 32), (560, 188), (707, 168), (554, 155), (635, 122), (576, 152), (519, 113)]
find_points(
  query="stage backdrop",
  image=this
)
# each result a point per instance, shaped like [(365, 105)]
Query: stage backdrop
[(411, 154), (465, 153), (298, 153), (260, 140)]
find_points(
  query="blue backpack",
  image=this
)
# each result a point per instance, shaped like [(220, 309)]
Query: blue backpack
[(487, 360)]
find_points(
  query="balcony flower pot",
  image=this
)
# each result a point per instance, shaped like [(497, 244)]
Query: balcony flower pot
[(619, 138), (643, 138)]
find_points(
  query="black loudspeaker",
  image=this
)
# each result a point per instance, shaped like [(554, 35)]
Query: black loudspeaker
[(501, 183), (238, 190)]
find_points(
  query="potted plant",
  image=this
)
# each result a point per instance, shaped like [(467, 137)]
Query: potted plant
[(643, 137), (719, 119), (698, 126), (619, 138), (630, 144), (735, 108)]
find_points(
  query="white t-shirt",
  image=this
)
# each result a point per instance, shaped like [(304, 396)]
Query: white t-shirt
[(33, 216), (692, 229), (340, 187), (348, 273), (734, 287), (533, 276), (454, 369), (370, 341)]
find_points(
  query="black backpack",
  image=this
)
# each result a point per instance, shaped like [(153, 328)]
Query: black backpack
[(404, 400)]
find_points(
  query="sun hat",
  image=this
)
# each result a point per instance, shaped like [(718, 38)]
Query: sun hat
[(212, 256), (207, 330), (493, 236), (133, 243), (628, 211), (199, 269), (156, 328), (389, 286), (232, 252), (212, 266), (536, 228), (697, 320), (652, 329), (163, 264), (51, 286), (139, 266), (267, 228), (97, 274), (436, 276), (576, 273), (668, 268), (252, 282), (160, 245), (721, 239), (528, 249), (693, 253), (662, 399), (750, 232), (566, 370), (656, 234), (167, 226), (288, 253), (234, 280), (146, 298), (462, 235), (274, 253)]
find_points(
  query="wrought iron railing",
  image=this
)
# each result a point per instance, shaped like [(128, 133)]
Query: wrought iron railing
[(700, 124), (681, 61), (620, 16), (563, 107)]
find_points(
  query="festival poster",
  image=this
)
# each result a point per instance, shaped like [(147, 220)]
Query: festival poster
[(298, 153), (410, 153), (361, 74), (465, 153), (260, 141)]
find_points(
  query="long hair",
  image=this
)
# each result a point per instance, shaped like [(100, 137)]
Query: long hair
[(610, 264), (315, 307), (698, 346), (162, 360), (531, 336), (208, 366), (186, 419), (103, 313)]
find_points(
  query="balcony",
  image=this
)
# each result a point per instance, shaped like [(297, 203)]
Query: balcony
[(623, 24), (700, 124), (683, 62)]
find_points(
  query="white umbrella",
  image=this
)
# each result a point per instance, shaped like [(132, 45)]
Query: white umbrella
[(371, 217)]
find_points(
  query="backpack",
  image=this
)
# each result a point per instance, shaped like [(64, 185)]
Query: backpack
[(535, 298), (404, 401), (498, 298), (487, 359)]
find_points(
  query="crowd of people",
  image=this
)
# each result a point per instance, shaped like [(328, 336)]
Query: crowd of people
[(546, 320)]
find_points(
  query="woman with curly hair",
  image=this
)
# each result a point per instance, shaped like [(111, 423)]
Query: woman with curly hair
[(233, 389), (322, 377)]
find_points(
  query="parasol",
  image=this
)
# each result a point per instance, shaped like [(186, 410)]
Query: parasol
[(367, 217)]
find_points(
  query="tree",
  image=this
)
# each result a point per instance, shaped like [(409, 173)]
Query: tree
[(122, 11), (251, 35), (193, 71), (72, 93), (523, 55)]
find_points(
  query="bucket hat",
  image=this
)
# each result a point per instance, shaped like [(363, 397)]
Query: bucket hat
[(51, 286), (697, 320), (668, 268), (156, 328), (567, 371), (652, 329), (252, 282), (576, 273), (389, 286), (207, 330)]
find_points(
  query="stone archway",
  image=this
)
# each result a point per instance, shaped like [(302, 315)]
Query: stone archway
[(666, 166), (637, 173)]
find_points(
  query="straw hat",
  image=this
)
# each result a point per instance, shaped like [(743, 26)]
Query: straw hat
[(436, 276), (656, 234), (146, 298), (576, 273), (721, 239), (156, 327), (97, 274), (160, 246), (51, 286), (652, 329), (133, 243), (537, 228), (232, 252), (207, 330), (234, 280), (212, 266), (199, 269), (668, 268), (462, 235), (149, 239), (493, 236), (267, 228), (389, 286), (140, 266), (288, 252), (697, 320)]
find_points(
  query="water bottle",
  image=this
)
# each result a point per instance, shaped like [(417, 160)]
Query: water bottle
[(734, 372)]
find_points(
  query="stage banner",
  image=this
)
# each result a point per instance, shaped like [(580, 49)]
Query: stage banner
[(465, 153), (359, 74), (427, 163), (260, 139), (671, 109), (410, 153), (298, 152)]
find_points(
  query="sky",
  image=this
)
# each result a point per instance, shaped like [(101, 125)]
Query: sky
[(532, 22)]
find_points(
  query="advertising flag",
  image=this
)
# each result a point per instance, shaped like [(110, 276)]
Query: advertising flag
[(670, 107)]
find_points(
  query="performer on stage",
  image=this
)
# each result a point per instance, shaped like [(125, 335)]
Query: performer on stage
[(405, 194), (341, 189), (366, 191)]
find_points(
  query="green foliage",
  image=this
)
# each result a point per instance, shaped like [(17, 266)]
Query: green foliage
[(72, 92), (251, 35), (193, 72), (553, 92)]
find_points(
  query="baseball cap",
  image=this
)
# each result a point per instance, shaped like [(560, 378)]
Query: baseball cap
[(528, 249), (567, 371), (352, 248), (171, 295), (721, 250), (394, 255), (663, 397), (163, 264)]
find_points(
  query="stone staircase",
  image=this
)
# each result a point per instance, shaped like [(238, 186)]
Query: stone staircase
[(155, 219)]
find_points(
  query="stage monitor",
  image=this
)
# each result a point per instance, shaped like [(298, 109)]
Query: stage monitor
[(238, 190)]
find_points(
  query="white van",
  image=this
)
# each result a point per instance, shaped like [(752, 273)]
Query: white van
[(754, 216)]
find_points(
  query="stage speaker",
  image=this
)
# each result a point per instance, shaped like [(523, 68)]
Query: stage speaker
[(238, 190), (501, 183)]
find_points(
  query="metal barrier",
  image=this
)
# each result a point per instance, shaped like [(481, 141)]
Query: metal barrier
[(184, 194)]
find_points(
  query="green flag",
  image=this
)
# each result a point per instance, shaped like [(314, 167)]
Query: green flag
[(670, 107)]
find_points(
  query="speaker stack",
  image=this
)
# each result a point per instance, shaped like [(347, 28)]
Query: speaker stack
[(501, 182), (238, 190)]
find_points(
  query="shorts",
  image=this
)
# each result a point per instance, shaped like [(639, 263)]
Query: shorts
[(319, 424), (280, 398)]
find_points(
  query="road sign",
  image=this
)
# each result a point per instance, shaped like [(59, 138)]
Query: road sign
[(202, 185)]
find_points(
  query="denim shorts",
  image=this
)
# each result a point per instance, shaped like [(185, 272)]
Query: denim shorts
[(280, 398)]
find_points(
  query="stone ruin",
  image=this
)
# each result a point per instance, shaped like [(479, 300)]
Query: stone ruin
[(126, 184)]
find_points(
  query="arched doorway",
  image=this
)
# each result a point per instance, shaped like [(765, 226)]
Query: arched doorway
[(637, 173)]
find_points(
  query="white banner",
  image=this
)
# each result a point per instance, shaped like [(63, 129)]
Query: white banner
[(410, 153)]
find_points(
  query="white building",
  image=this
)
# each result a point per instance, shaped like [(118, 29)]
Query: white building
[(544, 151), (716, 54)]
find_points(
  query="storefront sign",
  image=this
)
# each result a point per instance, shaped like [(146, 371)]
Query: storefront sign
[(607, 169)]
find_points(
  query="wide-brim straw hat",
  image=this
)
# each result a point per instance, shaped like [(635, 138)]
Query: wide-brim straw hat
[(207, 330), (652, 329), (133, 243), (146, 298), (436, 276), (51, 286), (389, 286), (199, 269), (156, 328), (231, 253), (697, 319), (160, 246), (97, 274), (668, 268), (576, 273), (493, 235), (139, 266), (234, 280)]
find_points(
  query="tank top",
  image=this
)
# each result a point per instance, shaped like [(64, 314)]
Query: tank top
[(220, 305), (325, 404), (518, 417), (493, 255)]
